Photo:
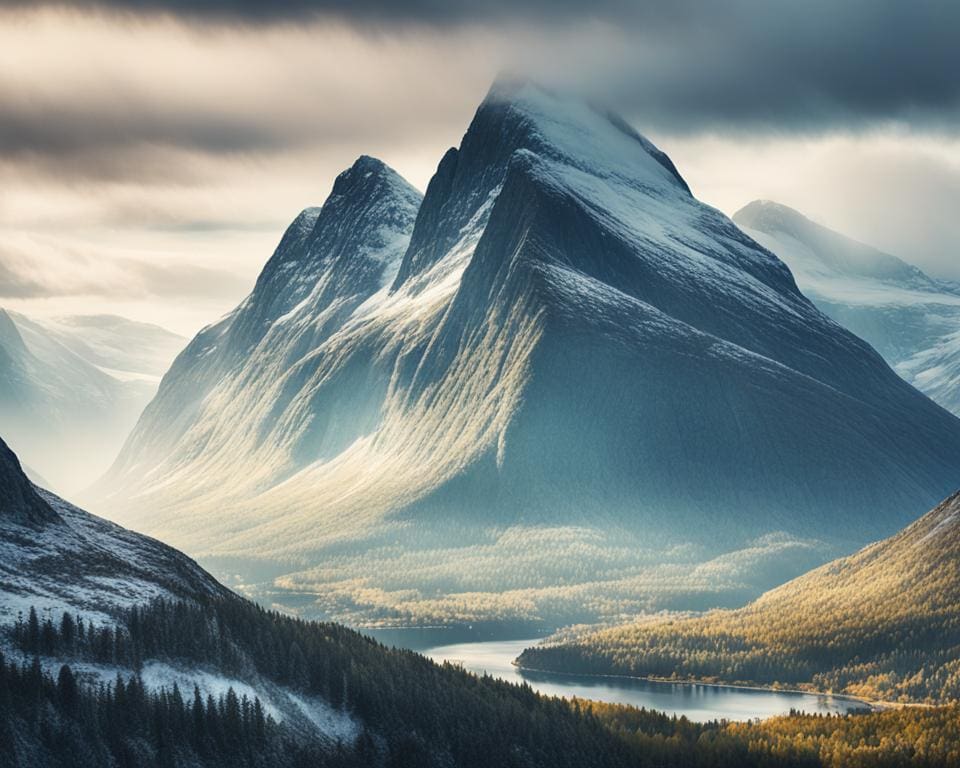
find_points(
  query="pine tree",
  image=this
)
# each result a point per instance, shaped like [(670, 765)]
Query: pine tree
[(33, 632), (67, 692), (67, 632)]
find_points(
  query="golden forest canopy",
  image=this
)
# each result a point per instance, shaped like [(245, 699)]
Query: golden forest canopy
[(883, 623)]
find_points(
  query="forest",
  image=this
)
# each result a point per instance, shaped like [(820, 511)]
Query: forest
[(413, 712)]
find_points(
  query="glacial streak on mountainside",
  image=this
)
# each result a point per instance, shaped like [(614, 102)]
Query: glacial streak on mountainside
[(572, 350)]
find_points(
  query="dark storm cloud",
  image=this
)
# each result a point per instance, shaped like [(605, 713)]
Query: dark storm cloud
[(684, 65), (441, 12), (58, 129)]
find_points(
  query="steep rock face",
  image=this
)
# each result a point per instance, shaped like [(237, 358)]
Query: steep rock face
[(572, 346), (235, 403), (661, 344), (913, 320)]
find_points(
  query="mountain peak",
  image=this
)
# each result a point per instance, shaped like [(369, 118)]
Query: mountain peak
[(768, 215), (521, 117), (365, 170), (19, 500), (832, 250)]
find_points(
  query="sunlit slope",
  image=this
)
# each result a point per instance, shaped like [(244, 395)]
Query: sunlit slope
[(884, 623)]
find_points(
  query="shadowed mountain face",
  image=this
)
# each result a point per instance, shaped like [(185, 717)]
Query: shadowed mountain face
[(913, 320), (19, 501), (574, 367)]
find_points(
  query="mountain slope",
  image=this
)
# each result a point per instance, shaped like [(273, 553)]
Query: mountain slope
[(883, 623), (576, 368), (57, 556), (147, 635), (237, 402), (912, 319), (72, 388)]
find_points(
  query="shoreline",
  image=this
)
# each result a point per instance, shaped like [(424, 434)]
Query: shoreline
[(873, 706)]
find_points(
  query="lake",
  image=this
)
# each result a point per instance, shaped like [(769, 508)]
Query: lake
[(696, 701)]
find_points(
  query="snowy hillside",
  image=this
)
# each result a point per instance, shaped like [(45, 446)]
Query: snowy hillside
[(72, 388), (912, 319), (124, 348), (577, 386), (58, 559)]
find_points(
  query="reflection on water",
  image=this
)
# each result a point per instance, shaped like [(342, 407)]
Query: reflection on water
[(697, 702)]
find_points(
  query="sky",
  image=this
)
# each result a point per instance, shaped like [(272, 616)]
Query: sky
[(152, 151)]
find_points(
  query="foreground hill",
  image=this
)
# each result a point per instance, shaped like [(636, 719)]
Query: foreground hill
[(72, 388), (554, 395), (883, 623), (913, 320), (147, 634)]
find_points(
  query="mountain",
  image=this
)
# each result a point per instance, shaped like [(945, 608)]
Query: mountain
[(55, 556), (882, 623), (912, 319), (576, 392), (72, 388), (124, 348)]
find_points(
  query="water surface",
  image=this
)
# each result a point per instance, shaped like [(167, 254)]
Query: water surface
[(696, 701)]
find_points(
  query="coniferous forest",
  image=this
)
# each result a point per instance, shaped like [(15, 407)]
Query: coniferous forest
[(412, 711)]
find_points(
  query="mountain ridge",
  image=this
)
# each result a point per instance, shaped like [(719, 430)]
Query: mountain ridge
[(912, 319), (71, 388)]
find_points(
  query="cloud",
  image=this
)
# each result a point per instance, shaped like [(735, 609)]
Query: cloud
[(686, 64), (896, 191), (197, 130), (17, 284), (48, 268)]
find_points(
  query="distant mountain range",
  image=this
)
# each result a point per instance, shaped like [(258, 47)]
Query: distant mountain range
[(883, 623), (72, 388), (559, 387), (912, 319)]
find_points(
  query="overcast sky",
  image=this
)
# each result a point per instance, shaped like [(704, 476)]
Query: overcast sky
[(152, 151)]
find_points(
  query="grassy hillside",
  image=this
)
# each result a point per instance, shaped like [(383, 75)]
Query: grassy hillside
[(883, 623)]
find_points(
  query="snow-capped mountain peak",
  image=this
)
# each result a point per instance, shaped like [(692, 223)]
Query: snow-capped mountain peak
[(518, 117), (911, 318)]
